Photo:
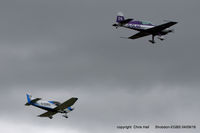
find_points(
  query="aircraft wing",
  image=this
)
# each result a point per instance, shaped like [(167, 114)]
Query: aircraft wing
[(66, 104), (35, 100), (160, 27), (139, 35), (153, 30), (47, 114)]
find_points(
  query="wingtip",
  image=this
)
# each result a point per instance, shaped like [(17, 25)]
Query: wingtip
[(75, 98), (175, 22)]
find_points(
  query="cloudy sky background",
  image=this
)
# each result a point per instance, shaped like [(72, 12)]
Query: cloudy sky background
[(59, 49)]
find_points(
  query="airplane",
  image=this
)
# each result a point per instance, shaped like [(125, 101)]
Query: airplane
[(52, 107), (144, 28)]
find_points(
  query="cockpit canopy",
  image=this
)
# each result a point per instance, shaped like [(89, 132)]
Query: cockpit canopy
[(146, 23), (55, 102)]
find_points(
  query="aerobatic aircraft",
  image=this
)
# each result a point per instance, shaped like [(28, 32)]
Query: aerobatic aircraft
[(144, 28), (52, 107)]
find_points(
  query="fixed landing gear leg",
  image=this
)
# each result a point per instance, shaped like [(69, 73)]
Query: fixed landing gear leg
[(152, 41), (65, 115)]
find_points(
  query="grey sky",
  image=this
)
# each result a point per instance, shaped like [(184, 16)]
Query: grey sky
[(59, 49)]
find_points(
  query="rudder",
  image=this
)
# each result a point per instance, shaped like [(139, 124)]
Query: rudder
[(120, 17), (28, 99)]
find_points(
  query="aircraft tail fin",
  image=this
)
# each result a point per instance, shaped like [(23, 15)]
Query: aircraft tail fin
[(28, 96), (120, 17), (31, 100)]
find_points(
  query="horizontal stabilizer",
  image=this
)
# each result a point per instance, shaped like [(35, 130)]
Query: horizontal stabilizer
[(27, 104), (35, 100), (125, 21)]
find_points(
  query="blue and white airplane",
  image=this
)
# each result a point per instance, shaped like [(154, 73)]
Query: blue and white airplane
[(144, 28), (52, 107)]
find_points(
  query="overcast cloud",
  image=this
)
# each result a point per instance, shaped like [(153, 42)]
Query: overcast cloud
[(59, 49)]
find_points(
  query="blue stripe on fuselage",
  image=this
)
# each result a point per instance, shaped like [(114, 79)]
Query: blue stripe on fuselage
[(42, 107)]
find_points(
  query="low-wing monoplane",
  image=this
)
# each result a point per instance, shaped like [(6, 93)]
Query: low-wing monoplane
[(144, 28), (52, 107)]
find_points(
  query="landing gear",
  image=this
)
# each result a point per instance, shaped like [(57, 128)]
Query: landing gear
[(65, 115), (50, 117), (162, 39), (152, 41)]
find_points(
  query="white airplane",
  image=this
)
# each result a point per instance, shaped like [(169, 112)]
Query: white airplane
[(144, 28), (52, 107)]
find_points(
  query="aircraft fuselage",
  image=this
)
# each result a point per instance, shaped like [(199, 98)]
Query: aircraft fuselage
[(140, 25), (52, 107)]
